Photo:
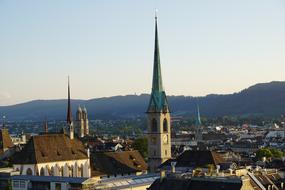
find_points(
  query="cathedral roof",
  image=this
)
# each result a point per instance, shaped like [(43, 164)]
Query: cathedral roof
[(50, 148), (158, 101)]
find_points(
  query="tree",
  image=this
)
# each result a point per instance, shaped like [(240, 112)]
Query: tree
[(263, 152), (276, 153), (141, 144)]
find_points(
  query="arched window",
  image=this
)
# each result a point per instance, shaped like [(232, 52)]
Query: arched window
[(52, 171), (29, 171), (42, 172), (154, 125), (165, 125), (82, 174), (61, 171)]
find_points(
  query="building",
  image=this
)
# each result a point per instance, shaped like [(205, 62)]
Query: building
[(54, 154), (192, 159), (158, 116), (116, 164), (82, 123), (24, 182), (202, 183)]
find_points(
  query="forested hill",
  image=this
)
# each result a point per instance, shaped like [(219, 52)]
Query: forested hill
[(265, 99)]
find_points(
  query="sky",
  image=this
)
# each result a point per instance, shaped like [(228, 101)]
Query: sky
[(106, 47)]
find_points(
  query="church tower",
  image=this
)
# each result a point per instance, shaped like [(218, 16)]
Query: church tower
[(69, 121), (158, 116), (85, 121), (82, 123)]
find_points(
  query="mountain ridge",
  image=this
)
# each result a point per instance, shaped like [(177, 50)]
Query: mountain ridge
[(262, 99)]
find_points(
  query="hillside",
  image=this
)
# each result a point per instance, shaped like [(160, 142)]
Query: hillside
[(265, 99)]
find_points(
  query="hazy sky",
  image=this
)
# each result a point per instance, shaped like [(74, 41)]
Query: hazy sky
[(106, 46)]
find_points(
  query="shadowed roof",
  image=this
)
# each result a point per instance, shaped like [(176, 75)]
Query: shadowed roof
[(50, 148), (124, 162), (196, 158)]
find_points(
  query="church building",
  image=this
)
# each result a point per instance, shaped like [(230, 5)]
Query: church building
[(158, 116), (54, 154)]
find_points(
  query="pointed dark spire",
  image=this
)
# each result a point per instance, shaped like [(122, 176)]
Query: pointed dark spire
[(45, 126), (157, 77), (69, 114)]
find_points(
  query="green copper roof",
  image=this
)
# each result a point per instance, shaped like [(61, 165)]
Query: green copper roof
[(158, 101), (198, 120), (157, 78)]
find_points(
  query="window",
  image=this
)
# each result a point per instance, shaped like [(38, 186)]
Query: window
[(165, 126), (165, 152), (16, 184), (154, 153), (29, 171), (154, 125), (22, 184), (42, 172), (82, 174), (52, 171), (57, 186)]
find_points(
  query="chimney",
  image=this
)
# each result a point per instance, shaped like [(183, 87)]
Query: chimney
[(173, 164)]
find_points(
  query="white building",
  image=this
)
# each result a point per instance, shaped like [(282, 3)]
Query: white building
[(53, 155)]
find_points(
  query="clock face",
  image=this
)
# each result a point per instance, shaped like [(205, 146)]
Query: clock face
[(165, 139)]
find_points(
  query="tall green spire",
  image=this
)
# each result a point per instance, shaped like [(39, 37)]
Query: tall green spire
[(158, 101), (198, 120), (157, 78)]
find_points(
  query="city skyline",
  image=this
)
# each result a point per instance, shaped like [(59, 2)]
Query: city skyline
[(107, 48)]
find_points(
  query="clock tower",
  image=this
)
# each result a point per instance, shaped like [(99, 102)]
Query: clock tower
[(158, 116)]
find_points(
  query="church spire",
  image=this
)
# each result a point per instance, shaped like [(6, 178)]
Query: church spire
[(158, 100), (198, 120), (45, 126), (69, 114), (157, 78)]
